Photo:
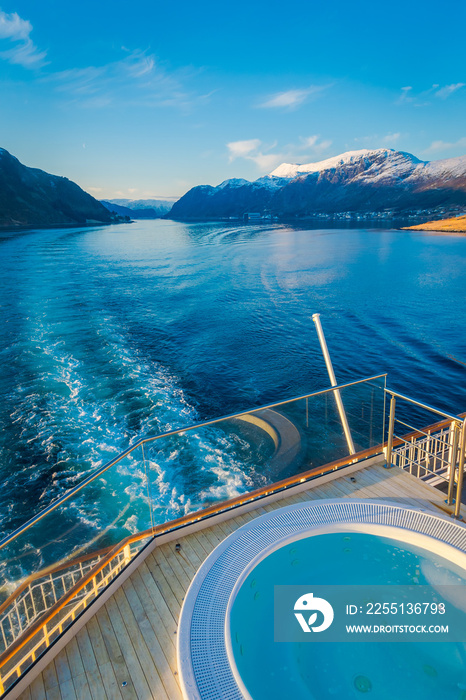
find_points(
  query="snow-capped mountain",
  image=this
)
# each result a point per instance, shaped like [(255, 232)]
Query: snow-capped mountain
[(139, 208), (161, 206), (356, 181), (292, 170)]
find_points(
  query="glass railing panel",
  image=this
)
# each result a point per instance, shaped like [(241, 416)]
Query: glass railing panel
[(364, 407), (197, 468), (312, 433), (206, 465)]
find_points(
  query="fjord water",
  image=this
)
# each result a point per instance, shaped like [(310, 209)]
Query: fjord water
[(114, 333)]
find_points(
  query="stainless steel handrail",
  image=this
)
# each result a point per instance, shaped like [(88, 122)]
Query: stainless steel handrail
[(423, 405), (179, 431), (426, 452), (457, 423), (459, 488)]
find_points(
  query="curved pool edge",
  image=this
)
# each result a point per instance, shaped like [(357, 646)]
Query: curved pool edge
[(203, 645)]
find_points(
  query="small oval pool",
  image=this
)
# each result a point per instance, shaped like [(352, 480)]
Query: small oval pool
[(226, 644)]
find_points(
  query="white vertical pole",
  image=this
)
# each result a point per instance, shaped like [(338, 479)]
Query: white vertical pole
[(333, 382)]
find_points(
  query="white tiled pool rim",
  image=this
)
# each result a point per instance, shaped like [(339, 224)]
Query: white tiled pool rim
[(204, 666)]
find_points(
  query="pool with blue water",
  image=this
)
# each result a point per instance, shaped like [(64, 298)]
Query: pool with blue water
[(266, 669)]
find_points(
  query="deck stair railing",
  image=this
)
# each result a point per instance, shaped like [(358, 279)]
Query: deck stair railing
[(426, 455), (44, 589), (63, 595), (36, 595), (434, 454)]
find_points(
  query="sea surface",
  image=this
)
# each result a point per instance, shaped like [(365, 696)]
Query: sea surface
[(113, 333)]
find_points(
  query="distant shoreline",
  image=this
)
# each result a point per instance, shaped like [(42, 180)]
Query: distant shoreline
[(30, 227), (394, 223), (455, 225), (442, 226)]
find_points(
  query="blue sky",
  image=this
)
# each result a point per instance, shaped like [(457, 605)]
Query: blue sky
[(144, 99)]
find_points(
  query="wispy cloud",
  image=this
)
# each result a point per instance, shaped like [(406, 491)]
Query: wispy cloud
[(13, 27), (254, 150), (391, 139), (448, 90), (313, 145), (378, 141), (23, 52), (267, 158), (424, 98), (138, 78), (243, 149), (406, 94), (291, 99), (437, 146)]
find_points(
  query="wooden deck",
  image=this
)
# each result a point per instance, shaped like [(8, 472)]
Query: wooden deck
[(128, 649)]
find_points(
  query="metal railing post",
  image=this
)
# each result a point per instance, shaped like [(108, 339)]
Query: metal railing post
[(453, 453), (127, 554), (459, 486), (333, 382), (391, 428)]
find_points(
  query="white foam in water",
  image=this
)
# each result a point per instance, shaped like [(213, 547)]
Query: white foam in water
[(209, 460), (77, 418)]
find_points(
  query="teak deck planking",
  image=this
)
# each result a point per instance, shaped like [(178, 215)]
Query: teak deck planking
[(127, 650)]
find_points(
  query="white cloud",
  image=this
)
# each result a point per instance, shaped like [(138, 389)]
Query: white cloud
[(13, 27), (373, 141), (391, 139), (24, 52), (138, 78), (266, 159), (448, 90), (436, 146), (406, 92), (320, 148), (140, 65), (408, 96), (291, 99), (311, 144), (422, 99), (309, 141), (241, 149), (254, 150), (378, 141)]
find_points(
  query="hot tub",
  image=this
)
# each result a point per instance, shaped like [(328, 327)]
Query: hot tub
[(226, 647)]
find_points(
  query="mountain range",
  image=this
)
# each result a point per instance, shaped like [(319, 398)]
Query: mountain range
[(139, 208), (381, 180), (32, 197)]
